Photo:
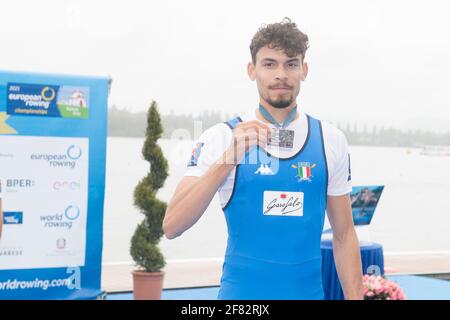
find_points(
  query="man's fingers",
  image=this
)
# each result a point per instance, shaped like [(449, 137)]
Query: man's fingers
[(254, 130), (248, 135), (253, 123)]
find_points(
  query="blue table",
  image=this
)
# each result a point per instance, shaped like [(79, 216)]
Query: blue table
[(372, 263)]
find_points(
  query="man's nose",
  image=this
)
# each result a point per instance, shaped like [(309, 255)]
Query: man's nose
[(281, 73)]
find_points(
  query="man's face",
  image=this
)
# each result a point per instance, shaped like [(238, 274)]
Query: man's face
[(277, 76)]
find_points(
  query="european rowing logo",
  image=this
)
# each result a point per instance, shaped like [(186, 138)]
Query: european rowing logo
[(65, 160), (32, 99), (304, 171), (48, 94), (28, 99)]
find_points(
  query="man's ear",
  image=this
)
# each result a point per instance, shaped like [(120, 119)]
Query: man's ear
[(305, 70), (251, 71)]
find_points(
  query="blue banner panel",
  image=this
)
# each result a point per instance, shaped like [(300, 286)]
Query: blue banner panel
[(52, 169)]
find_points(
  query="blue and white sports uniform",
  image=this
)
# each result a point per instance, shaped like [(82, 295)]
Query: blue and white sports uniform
[(275, 212)]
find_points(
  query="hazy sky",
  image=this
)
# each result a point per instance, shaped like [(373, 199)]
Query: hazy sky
[(378, 62)]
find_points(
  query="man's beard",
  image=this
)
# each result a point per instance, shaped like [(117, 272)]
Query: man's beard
[(280, 104)]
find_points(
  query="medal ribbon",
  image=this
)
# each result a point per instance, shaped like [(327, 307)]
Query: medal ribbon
[(290, 117)]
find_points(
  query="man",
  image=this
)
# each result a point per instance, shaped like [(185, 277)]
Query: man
[(276, 170)]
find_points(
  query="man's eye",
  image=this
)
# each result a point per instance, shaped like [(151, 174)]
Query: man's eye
[(293, 65), (268, 64)]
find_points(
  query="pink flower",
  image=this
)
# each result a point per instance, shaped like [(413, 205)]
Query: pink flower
[(400, 294), (378, 287)]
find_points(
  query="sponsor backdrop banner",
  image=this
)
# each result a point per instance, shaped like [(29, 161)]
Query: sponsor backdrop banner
[(52, 168)]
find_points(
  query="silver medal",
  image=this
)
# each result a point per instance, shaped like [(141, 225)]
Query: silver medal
[(282, 138)]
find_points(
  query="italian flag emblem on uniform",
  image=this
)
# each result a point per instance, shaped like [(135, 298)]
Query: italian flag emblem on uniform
[(304, 170)]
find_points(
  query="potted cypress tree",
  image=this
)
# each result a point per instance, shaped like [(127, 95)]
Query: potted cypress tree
[(148, 279)]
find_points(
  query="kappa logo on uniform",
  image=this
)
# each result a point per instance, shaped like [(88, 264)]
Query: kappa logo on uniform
[(195, 154), (264, 170), (304, 171)]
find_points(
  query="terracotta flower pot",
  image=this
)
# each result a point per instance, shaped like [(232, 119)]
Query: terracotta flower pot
[(147, 285)]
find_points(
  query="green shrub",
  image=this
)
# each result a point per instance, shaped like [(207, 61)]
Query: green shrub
[(144, 249)]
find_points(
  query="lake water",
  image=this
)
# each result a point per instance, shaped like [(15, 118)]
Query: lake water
[(413, 214)]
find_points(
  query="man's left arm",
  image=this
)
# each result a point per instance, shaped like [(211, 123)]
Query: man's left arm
[(346, 250)]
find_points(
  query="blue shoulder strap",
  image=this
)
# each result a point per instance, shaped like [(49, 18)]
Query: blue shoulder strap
[(233, 122)]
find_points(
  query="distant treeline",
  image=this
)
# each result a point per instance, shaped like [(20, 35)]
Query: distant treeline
[(382, 136), (123, 123)]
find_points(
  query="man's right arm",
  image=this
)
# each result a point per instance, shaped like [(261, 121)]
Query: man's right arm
[(194, 194)]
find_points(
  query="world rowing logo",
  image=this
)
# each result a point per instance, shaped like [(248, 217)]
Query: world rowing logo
[(304, 171)]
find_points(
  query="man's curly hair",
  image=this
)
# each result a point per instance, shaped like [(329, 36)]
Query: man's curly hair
[(282, 35)]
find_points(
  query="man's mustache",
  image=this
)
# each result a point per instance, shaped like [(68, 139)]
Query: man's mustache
[(280, 86)]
